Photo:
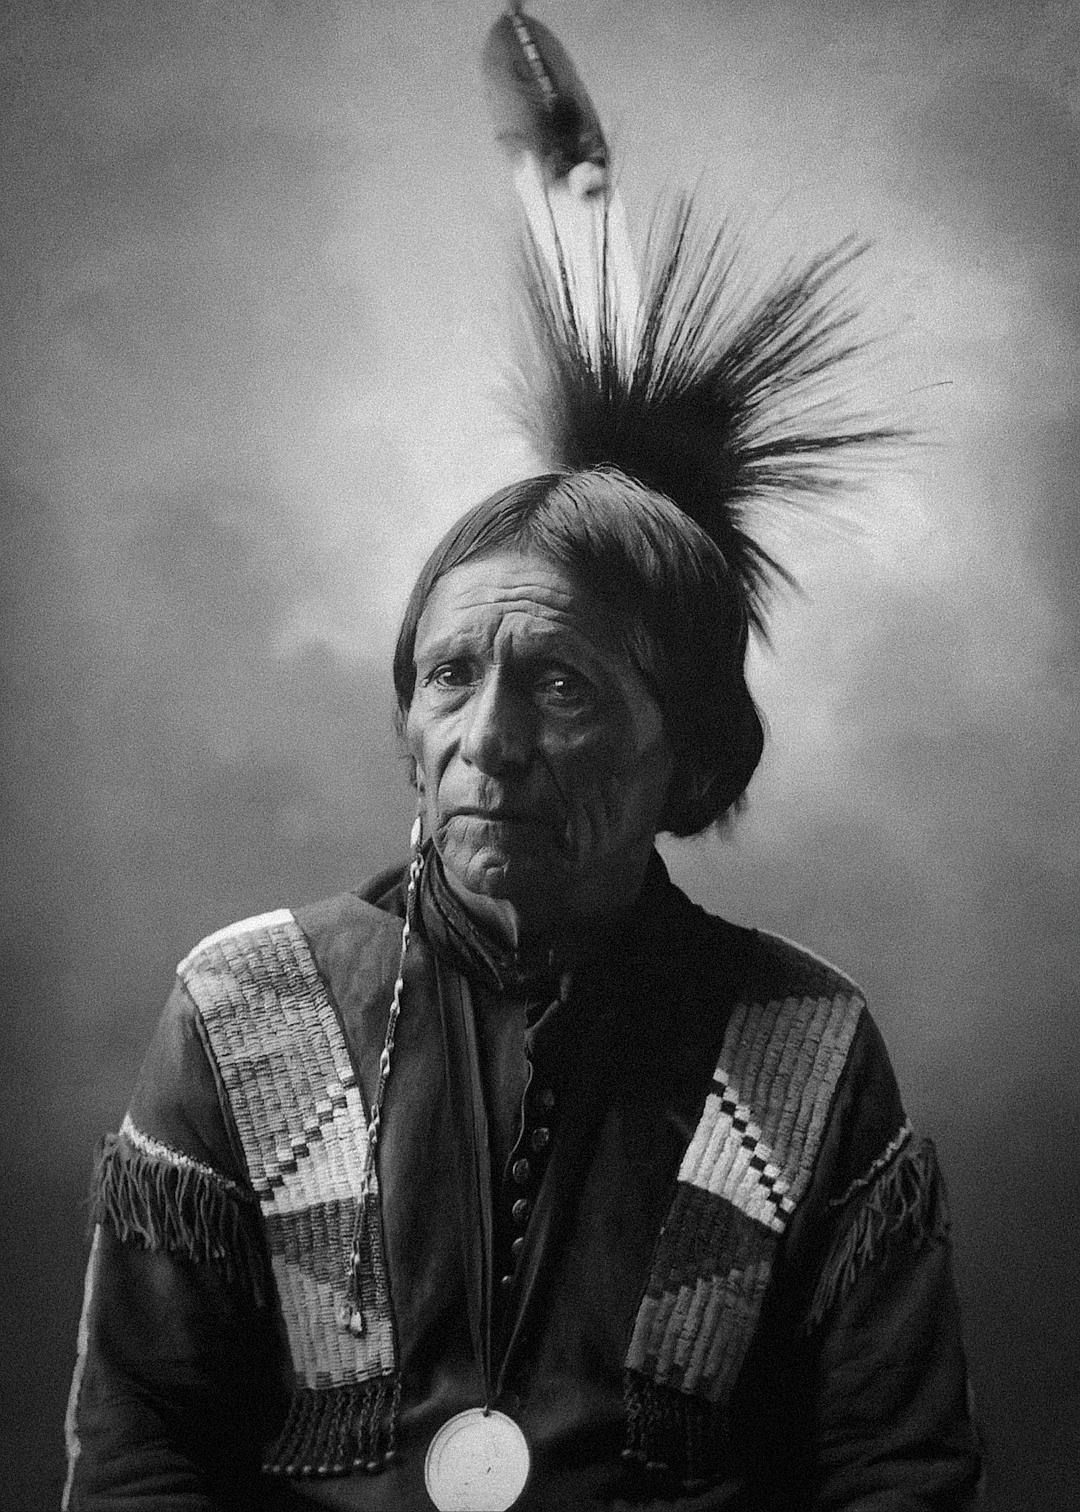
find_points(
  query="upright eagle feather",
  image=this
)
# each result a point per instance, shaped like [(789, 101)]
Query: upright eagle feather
[(550, 129)]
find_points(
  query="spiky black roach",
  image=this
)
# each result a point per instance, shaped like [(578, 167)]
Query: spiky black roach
[(723, 396)]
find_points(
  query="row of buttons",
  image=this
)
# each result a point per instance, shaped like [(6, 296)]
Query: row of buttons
[(525, 1172)]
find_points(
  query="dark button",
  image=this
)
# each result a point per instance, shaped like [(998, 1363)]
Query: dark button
[(517, 1246), (506, 1282), (541, 1138), (520, 1211), (521, 1171), (547, 1098)]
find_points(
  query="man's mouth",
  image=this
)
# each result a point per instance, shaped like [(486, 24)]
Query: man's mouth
[(501, 814)]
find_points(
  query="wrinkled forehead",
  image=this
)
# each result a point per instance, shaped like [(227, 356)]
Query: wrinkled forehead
[(519, 603)]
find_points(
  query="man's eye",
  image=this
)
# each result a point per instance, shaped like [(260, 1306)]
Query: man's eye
[(564, 690), (455, 674)]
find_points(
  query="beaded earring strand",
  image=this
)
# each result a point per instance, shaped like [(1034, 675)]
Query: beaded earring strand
[(351, 1311)]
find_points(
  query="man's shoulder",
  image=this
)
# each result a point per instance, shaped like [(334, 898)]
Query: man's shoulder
[(745, 990), (375, 907), (757, 965), (367, 917), (752, 986), (781, 968)]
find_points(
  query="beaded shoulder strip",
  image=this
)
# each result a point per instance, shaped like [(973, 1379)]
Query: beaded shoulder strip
[(301, 1120), (743, 1174)]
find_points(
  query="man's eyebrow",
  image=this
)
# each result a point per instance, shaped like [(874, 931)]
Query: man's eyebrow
[(545, 642), (450, 643)]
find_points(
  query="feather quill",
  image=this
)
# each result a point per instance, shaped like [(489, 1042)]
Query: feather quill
[(549, 127)]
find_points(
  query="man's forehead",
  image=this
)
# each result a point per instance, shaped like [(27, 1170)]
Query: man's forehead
[(511, 598)]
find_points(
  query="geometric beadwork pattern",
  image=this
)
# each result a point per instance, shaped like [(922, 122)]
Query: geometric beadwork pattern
[(729, 1155), (301, 1120), (747, 1166)]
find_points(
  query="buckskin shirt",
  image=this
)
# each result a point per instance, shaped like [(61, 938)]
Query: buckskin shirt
[(669, 1197)]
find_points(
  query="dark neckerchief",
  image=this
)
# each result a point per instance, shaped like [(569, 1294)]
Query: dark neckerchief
[(535, 976)]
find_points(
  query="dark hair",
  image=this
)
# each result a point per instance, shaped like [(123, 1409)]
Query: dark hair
[(678, 609)]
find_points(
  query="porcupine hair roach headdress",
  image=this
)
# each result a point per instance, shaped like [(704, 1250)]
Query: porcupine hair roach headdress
[(722, 399), (670, 414)]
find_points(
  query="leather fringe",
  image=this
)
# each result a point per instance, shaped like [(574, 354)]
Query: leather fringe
[(179, 1207), (906, 1199), (333, 1430), (670, 1434)]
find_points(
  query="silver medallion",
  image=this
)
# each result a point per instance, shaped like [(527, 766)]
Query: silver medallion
[(477, 1462)]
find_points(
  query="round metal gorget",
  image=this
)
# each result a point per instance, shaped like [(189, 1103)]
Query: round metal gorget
[(477, 1462)]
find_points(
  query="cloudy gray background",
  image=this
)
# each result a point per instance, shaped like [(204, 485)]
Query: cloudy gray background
[(251, 259)]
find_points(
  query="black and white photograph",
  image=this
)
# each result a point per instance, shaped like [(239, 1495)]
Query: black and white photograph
[(541, 699)]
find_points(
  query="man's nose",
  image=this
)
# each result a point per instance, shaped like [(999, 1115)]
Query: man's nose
[(501, 727)]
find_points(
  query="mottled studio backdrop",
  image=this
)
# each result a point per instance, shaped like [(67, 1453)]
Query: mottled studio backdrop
[(252, 258)]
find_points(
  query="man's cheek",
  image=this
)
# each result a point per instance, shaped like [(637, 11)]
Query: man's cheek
[(593, 810), (590, 758)]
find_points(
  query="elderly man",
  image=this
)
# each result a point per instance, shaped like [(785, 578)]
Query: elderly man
[(648, 1226), (514, 1179)]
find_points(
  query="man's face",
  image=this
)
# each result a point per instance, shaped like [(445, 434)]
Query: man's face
[(540, 753)]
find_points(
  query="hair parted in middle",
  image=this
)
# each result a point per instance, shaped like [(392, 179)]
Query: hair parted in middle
[(667, 591)]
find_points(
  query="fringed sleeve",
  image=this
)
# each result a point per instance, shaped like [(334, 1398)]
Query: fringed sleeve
[(179, 1378), (901, 1199), (888, 1404), (159, 1198), (174, 1178)]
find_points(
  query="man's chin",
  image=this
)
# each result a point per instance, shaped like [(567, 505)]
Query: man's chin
[(503, 866)]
